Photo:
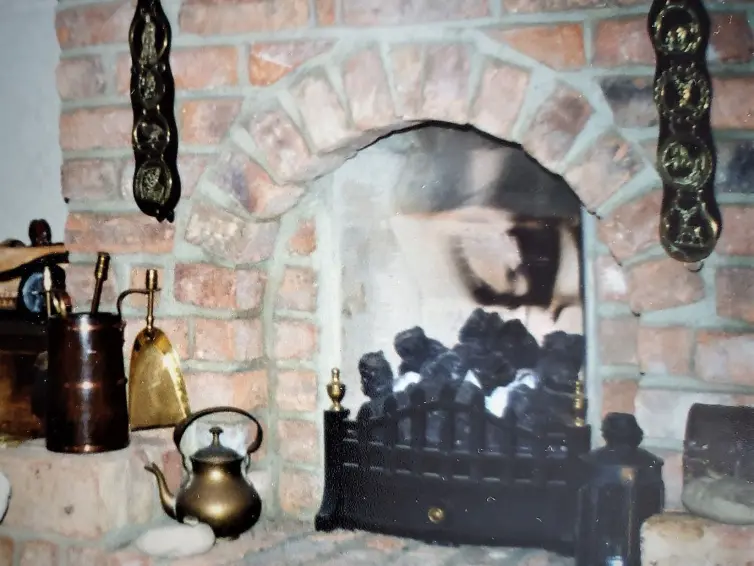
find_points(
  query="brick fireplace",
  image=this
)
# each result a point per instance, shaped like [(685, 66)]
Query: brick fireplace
[(273, 97)]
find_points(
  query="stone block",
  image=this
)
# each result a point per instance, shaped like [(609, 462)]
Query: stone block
[(81, 496), (672, 539)]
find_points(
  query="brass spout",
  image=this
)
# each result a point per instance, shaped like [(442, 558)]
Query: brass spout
[(167, 499)]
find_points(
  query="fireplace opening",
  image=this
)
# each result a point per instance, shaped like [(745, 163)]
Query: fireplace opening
[(460, 276)]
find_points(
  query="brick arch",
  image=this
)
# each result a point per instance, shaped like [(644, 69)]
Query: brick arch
[(319, 116)]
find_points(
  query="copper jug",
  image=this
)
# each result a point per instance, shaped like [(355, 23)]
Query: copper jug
[(216, 491)]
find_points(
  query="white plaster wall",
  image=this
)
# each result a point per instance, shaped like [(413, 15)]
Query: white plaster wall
[(30, 156)]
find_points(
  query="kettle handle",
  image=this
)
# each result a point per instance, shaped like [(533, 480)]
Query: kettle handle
[(182, 426)]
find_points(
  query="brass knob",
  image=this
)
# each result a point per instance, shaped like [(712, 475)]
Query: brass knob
[(336, 390), (436, 515)]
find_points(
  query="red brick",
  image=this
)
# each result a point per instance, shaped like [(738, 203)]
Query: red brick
[(6, 551), (39, 553), (604, 169), (487, 113), (731, 38), (206, 122), (617, 340), (176, 329), (204, 68), (662, 413), (299, 441), (610, 280), (446, 83), (295, 339), (406, 63), (80, 77), (91, 179), (245, 390), (559, 46), (80, 285), (665, 350), (663, 284), (258, 241), (557, 123), (326, 12), (623, 41), (632, 227), (137, 280), (228, 340), (127, 233), (244, 179), (631, 100), (250, 286), (99, 128), (296, 391), (270, 62), (368, 92), (282, 145), (324, 118), (299, 491), (724, 357), (225, 235), (401, 12), (190, 169), (735, 293), (304, 240), (619, 396), (298, 289), (211, 286), (733, 106), (94, 24), (736, 235), (205, 285), (226, 17)]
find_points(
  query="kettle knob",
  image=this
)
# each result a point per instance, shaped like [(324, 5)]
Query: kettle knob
[(216, 431)]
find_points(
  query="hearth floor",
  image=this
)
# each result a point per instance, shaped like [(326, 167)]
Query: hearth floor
[(292, 544)]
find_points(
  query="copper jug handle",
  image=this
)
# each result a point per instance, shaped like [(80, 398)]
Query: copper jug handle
[(182, 426)]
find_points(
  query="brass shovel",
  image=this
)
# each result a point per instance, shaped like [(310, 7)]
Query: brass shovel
[(157, 394)]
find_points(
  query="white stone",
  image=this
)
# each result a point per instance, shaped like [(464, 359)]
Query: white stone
[(176, 541), (4, 495)]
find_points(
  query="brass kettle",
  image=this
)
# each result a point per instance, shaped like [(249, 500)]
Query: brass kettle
[(216, 491)]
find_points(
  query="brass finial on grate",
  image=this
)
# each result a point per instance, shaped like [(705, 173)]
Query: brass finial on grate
[(579, 404), (336, 390)]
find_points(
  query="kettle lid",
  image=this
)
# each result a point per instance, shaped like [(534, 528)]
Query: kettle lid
[(216, 453)]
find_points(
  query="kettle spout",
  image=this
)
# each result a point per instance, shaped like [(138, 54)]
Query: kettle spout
[(167, 499)]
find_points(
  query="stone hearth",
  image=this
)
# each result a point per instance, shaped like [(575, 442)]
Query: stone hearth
[(272, 97)]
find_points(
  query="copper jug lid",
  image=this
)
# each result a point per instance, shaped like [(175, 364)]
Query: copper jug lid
[(216, 453)]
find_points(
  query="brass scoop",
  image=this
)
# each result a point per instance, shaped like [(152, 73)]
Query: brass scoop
[(157, 394)]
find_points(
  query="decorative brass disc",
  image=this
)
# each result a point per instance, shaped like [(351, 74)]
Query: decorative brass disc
[(683, 93), (152, 182), (151, 87), (677, 30), (152, 41), (151, 135), (685, 161)]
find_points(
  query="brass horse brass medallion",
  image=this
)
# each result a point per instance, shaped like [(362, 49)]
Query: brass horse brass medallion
[(151, 134), (689, 225), (153, 39), (677, 30), (153, 181), (685, 162), (683, 93), (151, 88)]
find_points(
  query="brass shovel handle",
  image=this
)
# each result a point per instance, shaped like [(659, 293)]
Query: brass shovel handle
[(182, 426), (150, 288)]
